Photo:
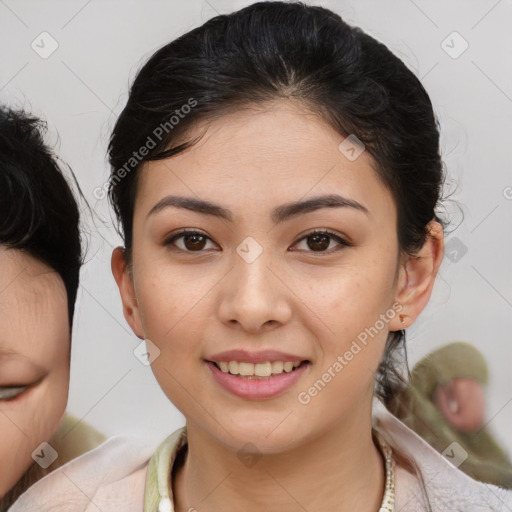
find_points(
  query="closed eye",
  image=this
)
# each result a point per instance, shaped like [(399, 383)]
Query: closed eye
[(192, 239), (10, 392)]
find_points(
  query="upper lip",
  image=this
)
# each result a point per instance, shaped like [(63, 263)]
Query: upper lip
[(262, 356)]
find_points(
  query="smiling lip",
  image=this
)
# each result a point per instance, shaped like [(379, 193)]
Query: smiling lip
[(254, 357), (264, 387)]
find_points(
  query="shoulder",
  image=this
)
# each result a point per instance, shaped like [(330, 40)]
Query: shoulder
[(447, 487), (109, 477)]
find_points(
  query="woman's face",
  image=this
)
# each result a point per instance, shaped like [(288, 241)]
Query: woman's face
[(258, 281), (34, 360)]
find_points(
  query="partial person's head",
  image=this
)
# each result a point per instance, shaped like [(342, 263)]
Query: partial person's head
[(226, 130), (40, 259)]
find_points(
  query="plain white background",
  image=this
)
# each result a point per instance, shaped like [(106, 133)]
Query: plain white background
[(79, 88)]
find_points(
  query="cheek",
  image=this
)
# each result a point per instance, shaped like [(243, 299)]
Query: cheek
[(38, 413), (55, 396), (355, 309), (27, 422), (351, 299), (14, 452), (50, 400), (171, 302), (34, 417), (172, 318), (175, 311)]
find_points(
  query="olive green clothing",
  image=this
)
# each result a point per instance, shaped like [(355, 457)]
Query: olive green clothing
[(415, 406)]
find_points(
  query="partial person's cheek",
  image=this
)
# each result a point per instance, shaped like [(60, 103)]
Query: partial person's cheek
[(14, 448), (462, 403), (27, 422)]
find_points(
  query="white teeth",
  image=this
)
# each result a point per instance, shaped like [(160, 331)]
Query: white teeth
[(259, 369), (245, 368), (277, 367), (263, 369), (288, 367)]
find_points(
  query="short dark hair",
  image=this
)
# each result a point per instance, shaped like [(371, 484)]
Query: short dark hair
[(38, 211)]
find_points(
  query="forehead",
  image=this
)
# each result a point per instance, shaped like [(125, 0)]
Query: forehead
[(20, 270), (29, 289), (33, 305), (264, 155)]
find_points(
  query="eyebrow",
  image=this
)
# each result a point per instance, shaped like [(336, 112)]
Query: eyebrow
[(278, 215)]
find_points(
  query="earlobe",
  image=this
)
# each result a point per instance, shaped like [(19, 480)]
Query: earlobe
[(417, 276), (126, 290)]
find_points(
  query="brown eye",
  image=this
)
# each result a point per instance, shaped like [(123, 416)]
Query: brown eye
[(319, 241), (194, 242), (191, 241)]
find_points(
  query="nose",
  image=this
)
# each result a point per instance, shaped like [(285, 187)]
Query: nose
[(254, 296)]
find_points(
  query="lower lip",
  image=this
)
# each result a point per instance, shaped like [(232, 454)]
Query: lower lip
[(257, 388)]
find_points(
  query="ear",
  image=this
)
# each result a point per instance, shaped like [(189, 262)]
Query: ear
[(417, 275), (124, 282)]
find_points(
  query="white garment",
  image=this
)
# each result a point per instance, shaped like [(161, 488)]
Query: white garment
[(111, 478)]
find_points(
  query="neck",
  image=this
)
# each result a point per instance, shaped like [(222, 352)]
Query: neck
[(340, 470)]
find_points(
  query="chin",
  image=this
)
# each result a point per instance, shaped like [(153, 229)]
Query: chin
[(271, 438)]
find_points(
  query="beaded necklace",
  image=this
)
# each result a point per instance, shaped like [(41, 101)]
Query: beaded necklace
[(388, 501)]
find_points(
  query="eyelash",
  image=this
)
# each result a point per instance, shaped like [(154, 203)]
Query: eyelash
[(342, 243)]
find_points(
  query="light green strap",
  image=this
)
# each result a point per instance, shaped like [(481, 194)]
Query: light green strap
[(157, 494)]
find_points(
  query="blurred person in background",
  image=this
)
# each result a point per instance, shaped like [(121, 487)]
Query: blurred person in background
[(40, 260)]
